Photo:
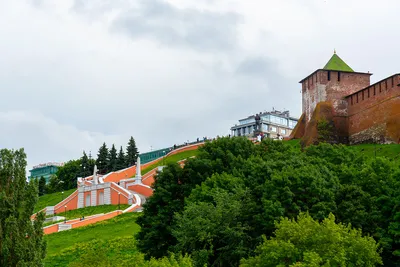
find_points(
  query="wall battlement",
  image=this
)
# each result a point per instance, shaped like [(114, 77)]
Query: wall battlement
[(361, 111)]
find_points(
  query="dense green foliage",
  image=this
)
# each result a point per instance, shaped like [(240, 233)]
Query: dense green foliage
[(21, 241), (221, 204), (309, 243)]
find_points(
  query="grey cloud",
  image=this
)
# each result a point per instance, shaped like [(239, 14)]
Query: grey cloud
[(256, 66), (201, 30), (272, 87)]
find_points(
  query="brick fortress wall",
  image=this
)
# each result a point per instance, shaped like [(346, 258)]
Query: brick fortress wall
[(373, 112), (332, 86)]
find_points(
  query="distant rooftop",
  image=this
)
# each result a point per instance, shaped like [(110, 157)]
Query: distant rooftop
[(57, 164), (278, 113)]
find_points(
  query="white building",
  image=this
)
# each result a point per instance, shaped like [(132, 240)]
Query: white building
[(272, 124)]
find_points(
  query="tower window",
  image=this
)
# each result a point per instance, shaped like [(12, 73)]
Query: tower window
[(329, 75), (338, 76), (374, 90), (386, 85), (380, 87)]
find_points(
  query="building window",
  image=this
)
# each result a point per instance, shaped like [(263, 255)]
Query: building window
[(338, 76), (329, 75), (380, 88), (273, 129), (283, 131)]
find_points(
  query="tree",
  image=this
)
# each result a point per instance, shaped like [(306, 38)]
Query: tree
[(215, 230), (171, 187), (21, 241), (67, 176), (102, 161), (42, 186), (112, 164), (86, 169), (131, 153), (310, 243), (121, 160)]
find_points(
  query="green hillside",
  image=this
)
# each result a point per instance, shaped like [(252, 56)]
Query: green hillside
[(390, 151), (120, 226), (52, 199), (170, 159)]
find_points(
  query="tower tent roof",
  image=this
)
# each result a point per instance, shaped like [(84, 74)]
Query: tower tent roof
[(336, 63)]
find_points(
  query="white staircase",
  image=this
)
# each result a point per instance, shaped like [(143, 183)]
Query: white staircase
[(64, 226)]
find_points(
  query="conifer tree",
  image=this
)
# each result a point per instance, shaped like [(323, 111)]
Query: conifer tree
[(85, 166), (121, 160), (42, 186), (21, 241), (112, 164), (102, 161), (131, 152)]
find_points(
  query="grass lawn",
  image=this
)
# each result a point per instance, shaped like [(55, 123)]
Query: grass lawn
[(121, 226), (172, 158), (78, 213), (52, 199), (391, 151), (107, 237)]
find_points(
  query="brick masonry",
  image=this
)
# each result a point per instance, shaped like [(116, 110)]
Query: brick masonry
[(362, 112)]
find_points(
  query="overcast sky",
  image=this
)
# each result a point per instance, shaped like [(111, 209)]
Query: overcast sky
[(76, 73)]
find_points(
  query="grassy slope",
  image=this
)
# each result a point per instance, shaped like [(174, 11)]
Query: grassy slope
[(172, 158), (78, 213), (124, 226), (391, 151), (52, 199), (120, 226)]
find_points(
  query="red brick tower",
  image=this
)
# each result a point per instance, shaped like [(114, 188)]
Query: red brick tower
[(331, 84)]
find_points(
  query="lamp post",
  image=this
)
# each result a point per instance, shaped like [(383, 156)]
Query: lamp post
[(65, 214), (163, 158), (62, 196), (119, 197)]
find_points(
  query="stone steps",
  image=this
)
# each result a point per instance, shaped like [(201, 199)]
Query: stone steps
[(64, 227)]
